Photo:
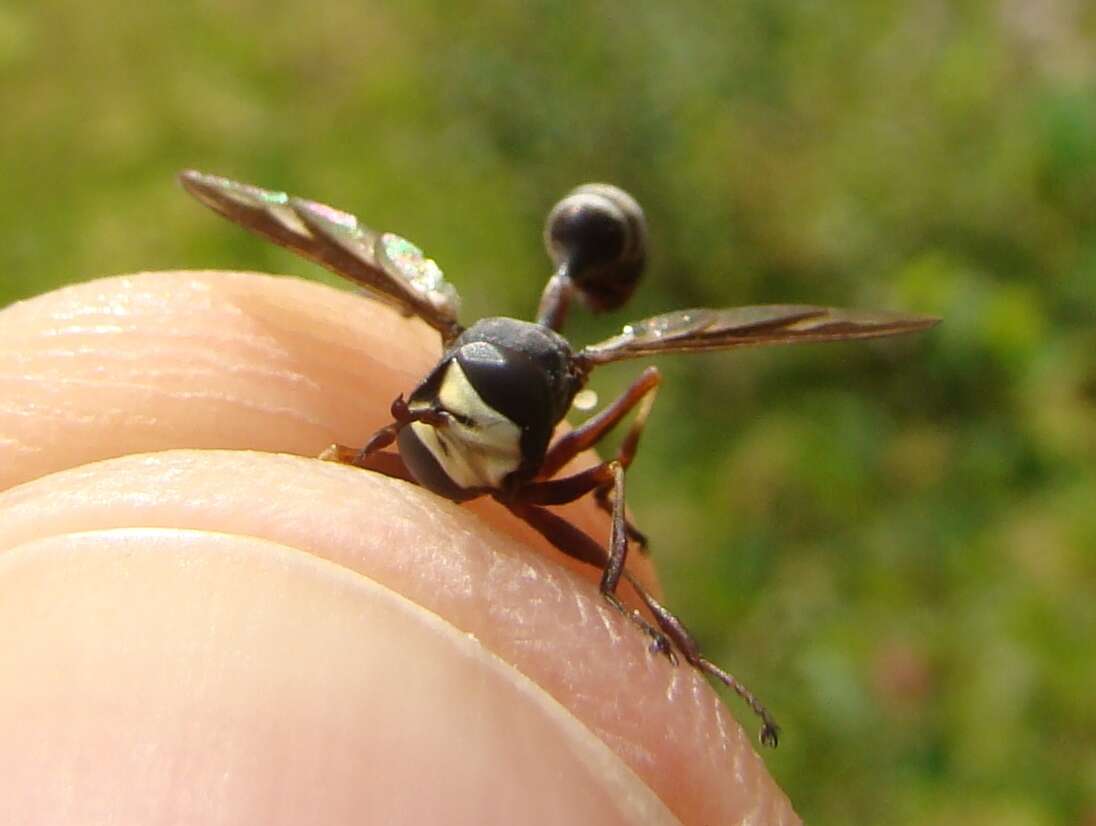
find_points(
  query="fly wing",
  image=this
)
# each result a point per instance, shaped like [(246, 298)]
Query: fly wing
[(387, 266), (711, 329)]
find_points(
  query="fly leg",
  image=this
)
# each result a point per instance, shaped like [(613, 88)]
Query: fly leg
[(385, 462), (687, 645), (673, 627), (640, 393), (577, 544), (402, 416), (594, 429), (612, 564)]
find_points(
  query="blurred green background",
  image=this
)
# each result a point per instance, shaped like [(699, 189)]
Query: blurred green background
[(892, 543)]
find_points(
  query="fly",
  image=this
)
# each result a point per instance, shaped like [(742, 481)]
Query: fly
[(481, 422)]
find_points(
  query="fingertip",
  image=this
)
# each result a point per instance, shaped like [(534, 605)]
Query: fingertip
[(548, 623), (218, 677), (152, 361), (162, 360)]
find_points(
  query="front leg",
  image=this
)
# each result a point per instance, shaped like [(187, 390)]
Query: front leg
[(385, 462), (402, 416)]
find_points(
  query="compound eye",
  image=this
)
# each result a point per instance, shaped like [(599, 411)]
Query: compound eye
[(598, 231)]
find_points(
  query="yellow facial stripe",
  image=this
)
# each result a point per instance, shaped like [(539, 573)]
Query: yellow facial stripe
[(479, 455)]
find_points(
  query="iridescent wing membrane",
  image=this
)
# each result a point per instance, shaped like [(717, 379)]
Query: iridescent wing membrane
[(710, 329), (389, 267)]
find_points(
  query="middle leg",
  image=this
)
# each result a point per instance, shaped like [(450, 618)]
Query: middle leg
[(641, 393)]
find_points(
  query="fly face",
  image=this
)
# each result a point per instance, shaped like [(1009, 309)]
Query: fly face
[(481, 423), (502, 388)]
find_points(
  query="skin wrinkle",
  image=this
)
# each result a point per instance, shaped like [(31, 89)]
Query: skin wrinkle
[(203, 395), (149, 376), (94, 331), (67, 416), (166, 342), (38, 413), (211, 366), (250, 335)]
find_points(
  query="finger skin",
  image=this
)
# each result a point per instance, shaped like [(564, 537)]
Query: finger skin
[(301, 693), (211, 359)]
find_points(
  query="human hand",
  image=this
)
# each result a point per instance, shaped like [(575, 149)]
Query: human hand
[(215, 635)]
